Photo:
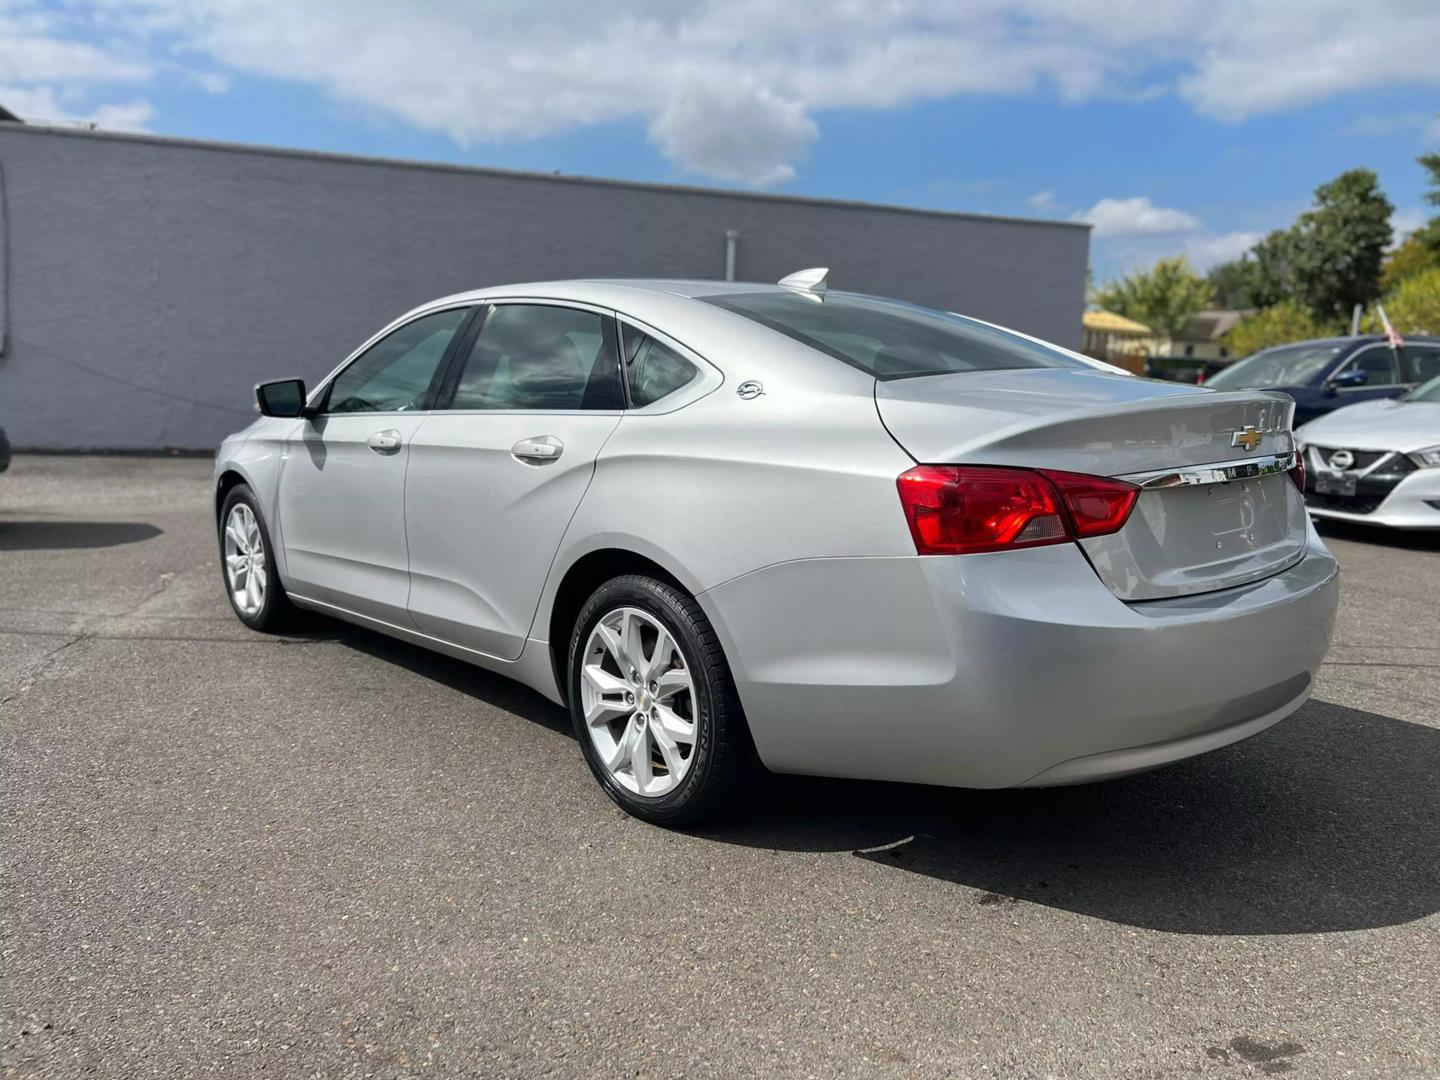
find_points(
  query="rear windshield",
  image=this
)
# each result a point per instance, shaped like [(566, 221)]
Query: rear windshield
[(1292, 365), (891, 339)]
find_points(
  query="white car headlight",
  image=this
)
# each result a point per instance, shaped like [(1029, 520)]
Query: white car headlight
[(1429, 458)]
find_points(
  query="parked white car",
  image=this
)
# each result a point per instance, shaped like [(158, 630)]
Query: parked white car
[(736, 524), (1377, 462)]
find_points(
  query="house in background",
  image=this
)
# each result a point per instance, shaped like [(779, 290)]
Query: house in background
[(1136, 347), (1116, 340)]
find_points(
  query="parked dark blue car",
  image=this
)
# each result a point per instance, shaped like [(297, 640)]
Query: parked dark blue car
[(1324, 374)]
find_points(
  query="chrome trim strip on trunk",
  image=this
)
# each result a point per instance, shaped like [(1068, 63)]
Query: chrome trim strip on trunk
[(1220, 472)]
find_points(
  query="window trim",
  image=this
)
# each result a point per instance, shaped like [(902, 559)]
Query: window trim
[(319, 398), (455, 363)]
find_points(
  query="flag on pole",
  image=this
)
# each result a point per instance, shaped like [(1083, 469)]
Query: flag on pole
[(1394, 340)]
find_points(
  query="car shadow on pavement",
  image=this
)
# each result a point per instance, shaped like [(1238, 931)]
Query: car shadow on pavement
[(71, 535), (494, 690), (1409, 539), (1329, 821)]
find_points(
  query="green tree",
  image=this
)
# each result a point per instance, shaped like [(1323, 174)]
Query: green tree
[(1414, 306), (1329, 260), (1273, 279), (1163, 297), (1431, 164), (1413, 256), (1337, 248), (1235, 283), (1277, 324)]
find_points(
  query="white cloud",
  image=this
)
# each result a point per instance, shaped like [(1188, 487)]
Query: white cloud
[(749, 137), (46, 75), (1407, 220), (123, 116), (40, 105), (1041, 200), (732, 89), (1273, 55), (1207, 249), (1135, 216)]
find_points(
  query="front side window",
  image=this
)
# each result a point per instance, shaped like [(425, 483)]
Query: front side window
[(653, 370), (535, 357), (890, 339), (1379, 366), (395, 374)]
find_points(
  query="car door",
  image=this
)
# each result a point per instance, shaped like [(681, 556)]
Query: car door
[(497, 473), (342, 482)]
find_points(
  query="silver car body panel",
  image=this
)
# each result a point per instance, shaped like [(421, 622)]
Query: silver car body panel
[(778, 510), (990, 670)]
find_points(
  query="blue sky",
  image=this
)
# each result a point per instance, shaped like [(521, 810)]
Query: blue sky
[(1192, 129)]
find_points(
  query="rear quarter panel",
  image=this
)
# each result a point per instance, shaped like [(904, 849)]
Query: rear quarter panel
[(726, 486)]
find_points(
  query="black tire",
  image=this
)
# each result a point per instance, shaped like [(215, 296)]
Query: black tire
[(275, 613), (724, 762)]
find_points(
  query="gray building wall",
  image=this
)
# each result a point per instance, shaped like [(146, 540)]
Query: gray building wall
[(152, 282)]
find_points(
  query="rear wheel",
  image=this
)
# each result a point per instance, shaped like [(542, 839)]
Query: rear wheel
[(247, 564), (654, 706)]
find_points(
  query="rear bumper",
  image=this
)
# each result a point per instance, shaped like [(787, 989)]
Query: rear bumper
[(1017, 668)]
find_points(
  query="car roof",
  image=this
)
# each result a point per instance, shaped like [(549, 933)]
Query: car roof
[(1346, 339), (671, 306), (580, 288)]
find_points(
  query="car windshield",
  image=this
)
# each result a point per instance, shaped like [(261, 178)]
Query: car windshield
[(1427, 392), (890, 339), (1290, 365)]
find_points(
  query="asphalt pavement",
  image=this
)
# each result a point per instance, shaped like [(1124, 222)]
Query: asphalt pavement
[(335, 854)]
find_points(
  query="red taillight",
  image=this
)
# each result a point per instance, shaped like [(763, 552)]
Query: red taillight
[(1297, 471), (1098, 505), (962, 509)]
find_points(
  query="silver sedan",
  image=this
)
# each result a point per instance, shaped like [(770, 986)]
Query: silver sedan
[(740, 525)]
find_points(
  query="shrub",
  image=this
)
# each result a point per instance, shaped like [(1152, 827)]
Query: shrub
[(1414, 306)]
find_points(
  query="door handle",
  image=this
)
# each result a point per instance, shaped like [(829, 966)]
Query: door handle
[(384, 442), (536, 449)]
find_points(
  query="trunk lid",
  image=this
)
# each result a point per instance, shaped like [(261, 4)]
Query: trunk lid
[(1180, 539)]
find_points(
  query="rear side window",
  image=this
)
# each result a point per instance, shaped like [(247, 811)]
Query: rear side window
[(532, 356), (1424, 361), (653, 370), (395, 374), (891, 339)]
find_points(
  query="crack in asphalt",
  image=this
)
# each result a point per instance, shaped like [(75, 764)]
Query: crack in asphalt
[(36, 670)]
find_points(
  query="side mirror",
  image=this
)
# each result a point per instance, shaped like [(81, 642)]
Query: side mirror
[(1353, 377), (283, 397)]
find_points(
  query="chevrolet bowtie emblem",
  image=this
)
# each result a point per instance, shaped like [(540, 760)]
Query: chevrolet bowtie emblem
[(1248, 439)]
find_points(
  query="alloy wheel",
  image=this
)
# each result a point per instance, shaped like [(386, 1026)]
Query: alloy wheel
[(638, 699), (245, 559)]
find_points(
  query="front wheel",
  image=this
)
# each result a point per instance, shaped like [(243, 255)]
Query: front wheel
[(654, 706), (247, 564)]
